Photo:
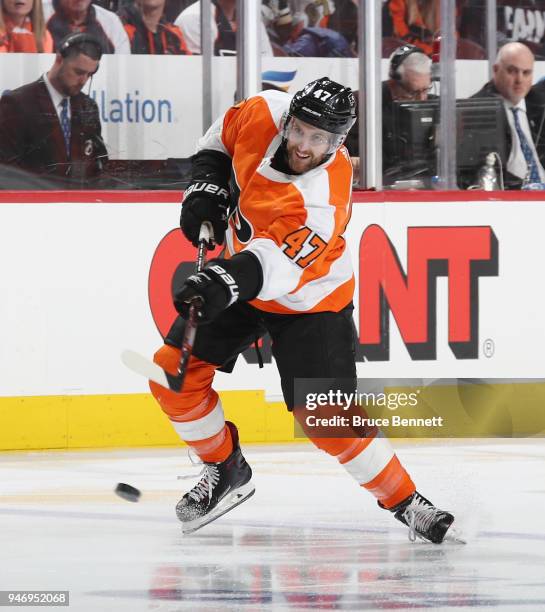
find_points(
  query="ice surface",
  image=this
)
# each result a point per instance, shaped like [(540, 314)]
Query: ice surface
[(309, 539)]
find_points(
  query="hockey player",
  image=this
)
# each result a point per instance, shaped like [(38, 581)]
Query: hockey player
[(286, 271)]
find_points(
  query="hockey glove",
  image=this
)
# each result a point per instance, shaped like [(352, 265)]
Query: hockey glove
[(220, 284), (205, 201)]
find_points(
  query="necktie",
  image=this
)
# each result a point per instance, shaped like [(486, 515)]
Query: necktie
[(526, 150), (65, 125)]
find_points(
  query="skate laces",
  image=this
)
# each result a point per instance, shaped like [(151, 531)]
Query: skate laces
[(205, 486), (210, 478), (419, 516)]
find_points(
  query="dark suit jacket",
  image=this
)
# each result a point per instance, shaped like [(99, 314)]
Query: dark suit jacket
[(31, 137), (535, 108)]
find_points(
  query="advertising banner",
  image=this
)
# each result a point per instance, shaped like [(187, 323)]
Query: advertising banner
[(151, 106), (445, 289)]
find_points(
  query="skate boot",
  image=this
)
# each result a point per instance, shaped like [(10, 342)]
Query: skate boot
[(223, 486), (424, 520)]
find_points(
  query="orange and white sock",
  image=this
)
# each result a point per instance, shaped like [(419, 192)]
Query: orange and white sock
[(196, 413), (373, 464)]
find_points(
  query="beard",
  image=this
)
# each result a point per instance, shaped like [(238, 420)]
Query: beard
[(300, 163)]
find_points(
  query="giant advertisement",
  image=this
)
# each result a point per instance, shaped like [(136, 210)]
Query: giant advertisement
[(446, 288)]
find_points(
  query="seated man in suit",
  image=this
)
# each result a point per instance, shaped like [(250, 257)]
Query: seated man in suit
[(49, 127), (512, 81)]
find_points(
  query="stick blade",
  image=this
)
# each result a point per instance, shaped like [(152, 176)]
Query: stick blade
[(145, 367)]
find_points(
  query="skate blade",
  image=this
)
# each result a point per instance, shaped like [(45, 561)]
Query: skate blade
[(227, 503), (454, 535)]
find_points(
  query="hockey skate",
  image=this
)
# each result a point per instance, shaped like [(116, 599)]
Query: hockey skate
[(425, 521), (222, 487)]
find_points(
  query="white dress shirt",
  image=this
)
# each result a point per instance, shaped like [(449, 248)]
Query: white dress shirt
[(516, 164), (56, 98)]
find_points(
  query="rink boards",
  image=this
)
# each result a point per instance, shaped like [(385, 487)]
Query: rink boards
[(448, 286)]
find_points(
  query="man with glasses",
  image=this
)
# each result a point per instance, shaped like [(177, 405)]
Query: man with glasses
[(409, 81), (409, 76), (273, 179)]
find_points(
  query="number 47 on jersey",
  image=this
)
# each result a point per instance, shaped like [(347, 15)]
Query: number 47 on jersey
[(303, 246)]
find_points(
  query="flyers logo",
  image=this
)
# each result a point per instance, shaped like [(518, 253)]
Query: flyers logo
[(462, 254), (241, 226)]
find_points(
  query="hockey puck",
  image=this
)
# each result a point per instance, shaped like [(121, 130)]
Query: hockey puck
[(127, 492)]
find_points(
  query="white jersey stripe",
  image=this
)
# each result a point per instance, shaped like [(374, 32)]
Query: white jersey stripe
[(315, 192), (280, 274), (315, 291)]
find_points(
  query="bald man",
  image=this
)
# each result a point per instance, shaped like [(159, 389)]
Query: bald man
[(512, 81)]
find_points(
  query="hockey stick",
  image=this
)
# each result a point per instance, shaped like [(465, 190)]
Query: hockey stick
[(144, 366)]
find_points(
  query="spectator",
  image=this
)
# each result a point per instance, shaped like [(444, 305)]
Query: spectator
[(223, 27), (22, 27), (148, 30), (82, 16), (512, 80), (290, 36), (416, 21), (278, 20), (345, 21), (409, 80), (319, 42), (313, 13), (49, 127)]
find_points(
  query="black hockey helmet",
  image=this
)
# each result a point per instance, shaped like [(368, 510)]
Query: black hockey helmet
[(326, 105)]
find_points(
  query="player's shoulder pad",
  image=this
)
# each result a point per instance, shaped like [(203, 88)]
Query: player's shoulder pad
[(278, 103), (276, 96)]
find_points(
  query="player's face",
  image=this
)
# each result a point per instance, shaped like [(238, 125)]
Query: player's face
[(73, 73), (17, 9), (513, 75), (306, 146)]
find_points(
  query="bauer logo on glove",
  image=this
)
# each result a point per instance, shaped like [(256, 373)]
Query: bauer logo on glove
[(214, 287), (205, 202), (208, 188)]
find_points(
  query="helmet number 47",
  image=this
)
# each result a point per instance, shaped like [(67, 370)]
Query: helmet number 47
[(321, 94)]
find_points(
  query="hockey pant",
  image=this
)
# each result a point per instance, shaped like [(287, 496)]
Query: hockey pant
[(310, 348)]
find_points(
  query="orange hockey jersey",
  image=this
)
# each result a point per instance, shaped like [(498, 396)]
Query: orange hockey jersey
[(293, 224)]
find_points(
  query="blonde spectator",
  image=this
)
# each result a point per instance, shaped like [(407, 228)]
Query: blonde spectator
[(22, 27)]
